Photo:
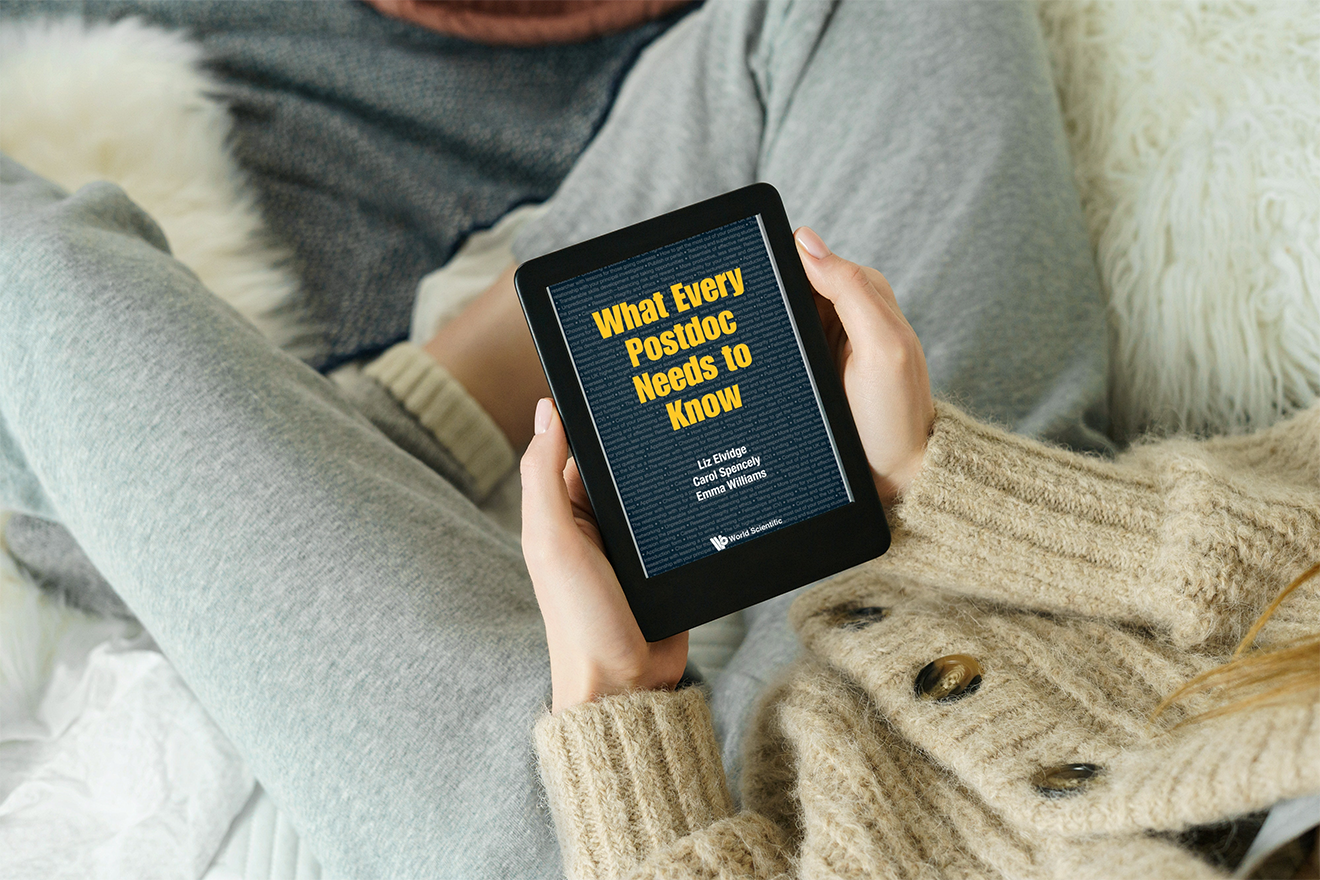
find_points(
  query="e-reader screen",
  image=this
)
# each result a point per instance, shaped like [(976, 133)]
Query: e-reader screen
[(697, 384)]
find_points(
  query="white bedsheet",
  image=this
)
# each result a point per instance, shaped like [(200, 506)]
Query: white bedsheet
[(109, 767), (262, 844)]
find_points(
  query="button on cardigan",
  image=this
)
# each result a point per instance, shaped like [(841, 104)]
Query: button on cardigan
[(1077, 593)]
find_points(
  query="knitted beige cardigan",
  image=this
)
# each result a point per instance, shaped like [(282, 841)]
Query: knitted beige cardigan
[(1086, 590)]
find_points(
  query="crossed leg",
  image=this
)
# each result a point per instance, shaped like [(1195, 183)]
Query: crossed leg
[(365, 637)]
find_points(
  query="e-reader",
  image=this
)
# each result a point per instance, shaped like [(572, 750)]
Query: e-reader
[(701, 401)]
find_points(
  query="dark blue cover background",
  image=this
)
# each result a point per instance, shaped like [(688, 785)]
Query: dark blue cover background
[(779, 420)]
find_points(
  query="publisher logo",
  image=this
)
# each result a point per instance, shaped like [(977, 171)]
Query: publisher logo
[(720, 542)]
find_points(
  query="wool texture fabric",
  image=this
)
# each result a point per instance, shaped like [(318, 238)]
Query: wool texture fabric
[(443, 406), (1085, 591)]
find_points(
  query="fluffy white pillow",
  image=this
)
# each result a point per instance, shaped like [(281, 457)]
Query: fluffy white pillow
[(129, 103), (1195, 133)]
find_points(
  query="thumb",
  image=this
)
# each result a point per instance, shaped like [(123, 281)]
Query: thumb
[(545, 500), (862, 302)]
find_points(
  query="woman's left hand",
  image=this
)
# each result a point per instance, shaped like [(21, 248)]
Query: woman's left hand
[(596, 647)]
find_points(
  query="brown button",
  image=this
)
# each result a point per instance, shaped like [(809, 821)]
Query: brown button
[(948, 678), (860, 617), (1064, 779)]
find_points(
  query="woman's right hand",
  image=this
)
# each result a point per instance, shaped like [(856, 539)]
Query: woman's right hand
[(879, 360), (596, 647)]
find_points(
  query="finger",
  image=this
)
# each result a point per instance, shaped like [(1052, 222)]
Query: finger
[(862, 299), (881, 284), (545, 503), (829, 319), (577, 490)]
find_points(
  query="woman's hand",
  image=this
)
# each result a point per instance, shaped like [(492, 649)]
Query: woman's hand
[(596, 648), (879, 359)]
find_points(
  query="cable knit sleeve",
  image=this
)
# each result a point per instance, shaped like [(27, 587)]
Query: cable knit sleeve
[(1192, 537), (637, 789)]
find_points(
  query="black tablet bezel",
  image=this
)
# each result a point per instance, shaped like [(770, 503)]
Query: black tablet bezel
[(750, 571)]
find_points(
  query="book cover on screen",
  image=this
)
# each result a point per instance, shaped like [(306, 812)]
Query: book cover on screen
[(698, 387)]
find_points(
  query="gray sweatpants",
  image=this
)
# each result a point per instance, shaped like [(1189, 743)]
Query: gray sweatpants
[(364, 635)]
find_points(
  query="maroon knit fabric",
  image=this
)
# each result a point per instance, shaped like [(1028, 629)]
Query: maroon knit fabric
[(527, 22)]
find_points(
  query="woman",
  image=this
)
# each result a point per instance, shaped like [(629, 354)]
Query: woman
[(978, 701), (368, 640)]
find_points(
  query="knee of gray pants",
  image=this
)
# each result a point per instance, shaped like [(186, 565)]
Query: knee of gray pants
[(40, 220), (44, 234)]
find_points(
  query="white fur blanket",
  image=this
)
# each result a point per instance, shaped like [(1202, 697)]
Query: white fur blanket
[(129, 104), (1195, 131), (1195, 134)]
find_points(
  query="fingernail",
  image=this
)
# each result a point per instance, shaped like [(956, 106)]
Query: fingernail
[(543, 410), (811, 243)]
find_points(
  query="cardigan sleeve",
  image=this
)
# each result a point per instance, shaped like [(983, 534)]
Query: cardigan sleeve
[(1191, 537), (637, 789)]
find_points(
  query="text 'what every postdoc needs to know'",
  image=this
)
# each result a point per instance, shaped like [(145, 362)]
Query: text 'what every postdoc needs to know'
[(684, 336)]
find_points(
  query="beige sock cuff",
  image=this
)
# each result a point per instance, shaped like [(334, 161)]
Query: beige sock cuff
[(629, 774), (443, 406)]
